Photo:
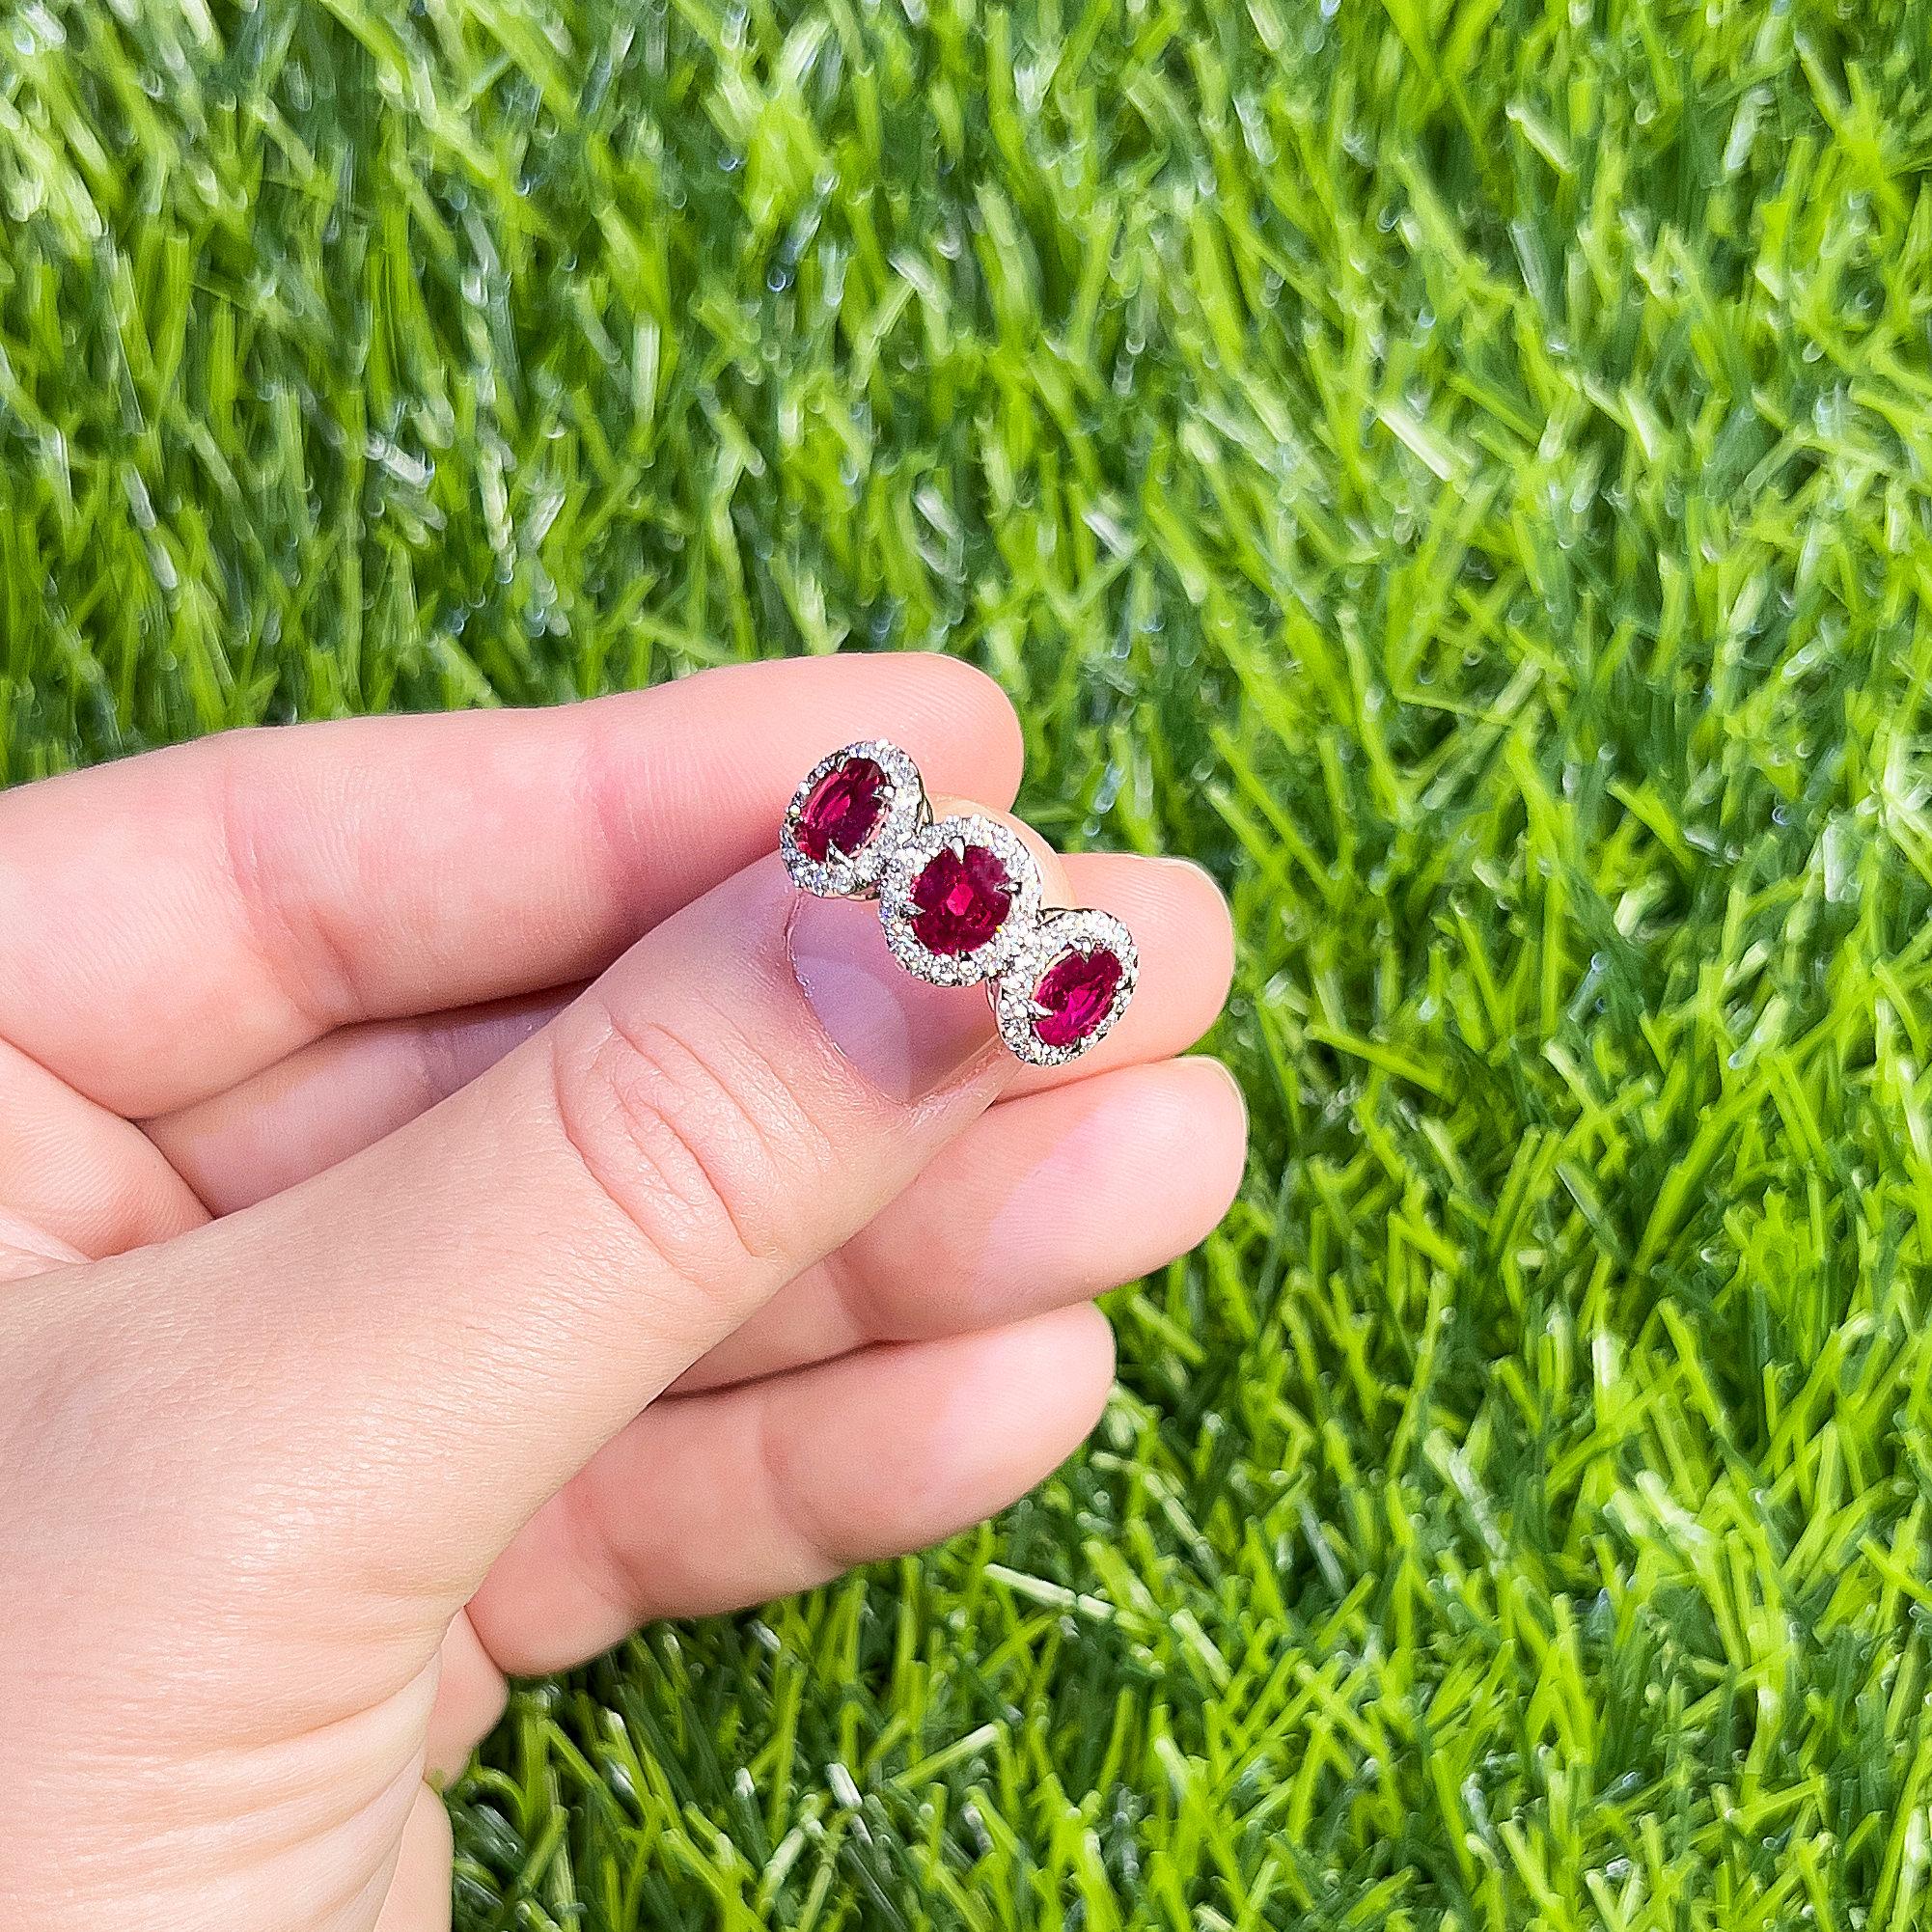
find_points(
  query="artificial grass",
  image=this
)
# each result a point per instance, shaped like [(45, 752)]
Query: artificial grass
[(1457, 468)]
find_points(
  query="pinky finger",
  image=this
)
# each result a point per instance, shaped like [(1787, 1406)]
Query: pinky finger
[(710, 1501)]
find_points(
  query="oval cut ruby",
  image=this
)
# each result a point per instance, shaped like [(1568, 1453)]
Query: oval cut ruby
[(842, 810), (1075, 992), (960, 899)]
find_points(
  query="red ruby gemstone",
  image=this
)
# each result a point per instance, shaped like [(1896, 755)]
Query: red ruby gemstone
[(960, 900), (1076, 990), (843, 809)]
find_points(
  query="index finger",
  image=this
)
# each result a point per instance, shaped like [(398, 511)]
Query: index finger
[(175, 922)]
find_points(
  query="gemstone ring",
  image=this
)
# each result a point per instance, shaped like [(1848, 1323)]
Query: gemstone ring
[(960, 900)]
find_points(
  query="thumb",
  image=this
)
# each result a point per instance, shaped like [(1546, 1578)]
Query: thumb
[(466, 1310)]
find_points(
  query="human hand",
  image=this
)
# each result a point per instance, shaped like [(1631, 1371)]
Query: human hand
[(383, 1309)]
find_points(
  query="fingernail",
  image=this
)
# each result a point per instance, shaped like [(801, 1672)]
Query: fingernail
[(904, 1036)]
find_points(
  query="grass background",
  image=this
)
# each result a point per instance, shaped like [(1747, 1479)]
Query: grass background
[(1457, 468)]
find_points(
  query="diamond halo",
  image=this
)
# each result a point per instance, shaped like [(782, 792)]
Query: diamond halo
[(898, 909), (1080, 930), (903, 811)]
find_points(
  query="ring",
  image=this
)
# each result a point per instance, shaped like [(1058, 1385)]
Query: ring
[(960, 900)]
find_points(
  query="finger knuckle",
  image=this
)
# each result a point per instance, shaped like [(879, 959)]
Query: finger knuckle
[(815, 1549), (695, 1147)]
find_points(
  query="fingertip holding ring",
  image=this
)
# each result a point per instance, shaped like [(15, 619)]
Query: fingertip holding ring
[(960, 900)]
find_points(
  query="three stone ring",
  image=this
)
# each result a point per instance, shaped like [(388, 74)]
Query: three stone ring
[(960, 900)]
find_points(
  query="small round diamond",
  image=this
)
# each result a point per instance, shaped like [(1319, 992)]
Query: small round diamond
[(958, 901), (851, 811), (1066, 986)]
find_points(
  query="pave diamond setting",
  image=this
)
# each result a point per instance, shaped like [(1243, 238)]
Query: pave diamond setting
[(958, 899)]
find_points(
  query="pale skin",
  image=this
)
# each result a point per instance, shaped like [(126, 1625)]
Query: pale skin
[(457, 1207)]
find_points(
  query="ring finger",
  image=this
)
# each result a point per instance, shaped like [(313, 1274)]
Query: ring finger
[(1047, 1200)]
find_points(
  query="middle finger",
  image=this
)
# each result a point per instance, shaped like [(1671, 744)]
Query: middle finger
[(352, 1088)]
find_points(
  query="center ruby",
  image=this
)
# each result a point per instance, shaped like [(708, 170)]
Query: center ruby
[(960, 899), (1076, 990), (843, 809)]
